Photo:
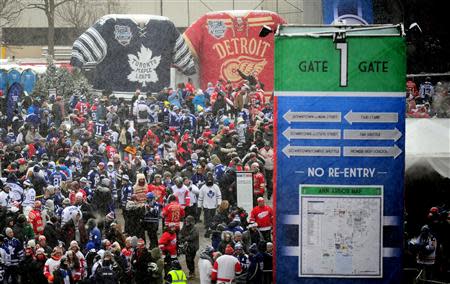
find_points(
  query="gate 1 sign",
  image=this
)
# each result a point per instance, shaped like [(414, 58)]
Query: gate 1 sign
[(340, 122)]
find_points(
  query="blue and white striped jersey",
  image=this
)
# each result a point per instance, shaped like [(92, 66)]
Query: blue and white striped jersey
[(132, 52)]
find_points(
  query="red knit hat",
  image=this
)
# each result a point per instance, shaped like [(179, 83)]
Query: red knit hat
[(229, 250)]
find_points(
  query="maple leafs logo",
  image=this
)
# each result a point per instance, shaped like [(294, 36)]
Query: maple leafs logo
[(143, 66)]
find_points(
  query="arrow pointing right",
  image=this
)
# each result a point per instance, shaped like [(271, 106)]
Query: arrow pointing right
[(358, 151), (372, 134), (371, 117)]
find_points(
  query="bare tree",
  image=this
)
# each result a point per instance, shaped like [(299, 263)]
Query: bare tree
[(49, 7), (10, 11), (80, 14)]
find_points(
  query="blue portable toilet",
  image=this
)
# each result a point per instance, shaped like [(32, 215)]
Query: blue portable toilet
[(3, 81), (13, 77), (28, 80)]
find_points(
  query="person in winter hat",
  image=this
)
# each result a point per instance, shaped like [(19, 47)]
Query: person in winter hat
[(226, 267), (263, 216), (29, 197), (240, 254), (209, 199), (13, 254), (205, 264), (35, 218), (23, 230), (150, 220), (259, 182), (168, 245), (95, 235), (189, 236), (62, 274), (176, 274), (140, 262), (267, 259), (52, 264), (103, 197), (173, 213), (157, 270), (251, 236), (255, 270), (38, 267), (104, 274), (140, 189)]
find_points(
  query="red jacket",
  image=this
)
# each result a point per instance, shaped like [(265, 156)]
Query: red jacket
[(168, 243), (262, 216), (35, 219), (259, 184), (173, 213), (159, 191)]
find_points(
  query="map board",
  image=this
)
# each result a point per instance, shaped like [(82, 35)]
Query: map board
[(341, 231), (339, 118)]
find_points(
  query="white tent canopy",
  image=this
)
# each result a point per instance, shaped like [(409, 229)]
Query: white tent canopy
[(428, 142)]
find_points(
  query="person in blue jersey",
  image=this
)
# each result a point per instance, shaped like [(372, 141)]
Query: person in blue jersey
[(57, 176)]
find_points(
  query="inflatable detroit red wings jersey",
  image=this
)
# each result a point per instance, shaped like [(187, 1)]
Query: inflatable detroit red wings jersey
[(228, 41)]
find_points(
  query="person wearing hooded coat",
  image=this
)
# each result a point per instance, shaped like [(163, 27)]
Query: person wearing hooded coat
[(74, 229), (51, 231), (255, 269), (105, 274), (158, 270), (140, 263), (189, 236), (103, 198), (22, 229), (227, 239), (140, 189), (205, 264)]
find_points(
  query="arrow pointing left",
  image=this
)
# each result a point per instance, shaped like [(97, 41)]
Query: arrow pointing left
[(293, 133), (312, 151)]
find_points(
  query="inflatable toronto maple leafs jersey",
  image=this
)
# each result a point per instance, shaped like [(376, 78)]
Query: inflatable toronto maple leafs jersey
[(228, 41), (132, 52)]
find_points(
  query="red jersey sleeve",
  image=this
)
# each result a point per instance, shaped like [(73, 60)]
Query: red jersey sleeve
[(214, 271), (238, 267)]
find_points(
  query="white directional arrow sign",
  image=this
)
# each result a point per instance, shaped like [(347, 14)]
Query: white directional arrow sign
[(309, 151), (372, 134), (292, 133), (371, 117), (291, 116), (357, 151)]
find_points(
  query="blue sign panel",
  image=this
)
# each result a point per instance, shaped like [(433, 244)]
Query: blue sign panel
[(340, 125), (339, 141)]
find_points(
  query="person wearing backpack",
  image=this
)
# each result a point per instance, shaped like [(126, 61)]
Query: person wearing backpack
[(141, 112)]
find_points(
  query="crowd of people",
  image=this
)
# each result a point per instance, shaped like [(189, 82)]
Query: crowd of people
[(429, 250), (429, 100), (97, 189)]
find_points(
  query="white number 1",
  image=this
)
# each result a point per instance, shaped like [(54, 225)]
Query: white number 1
[(343, 48)]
